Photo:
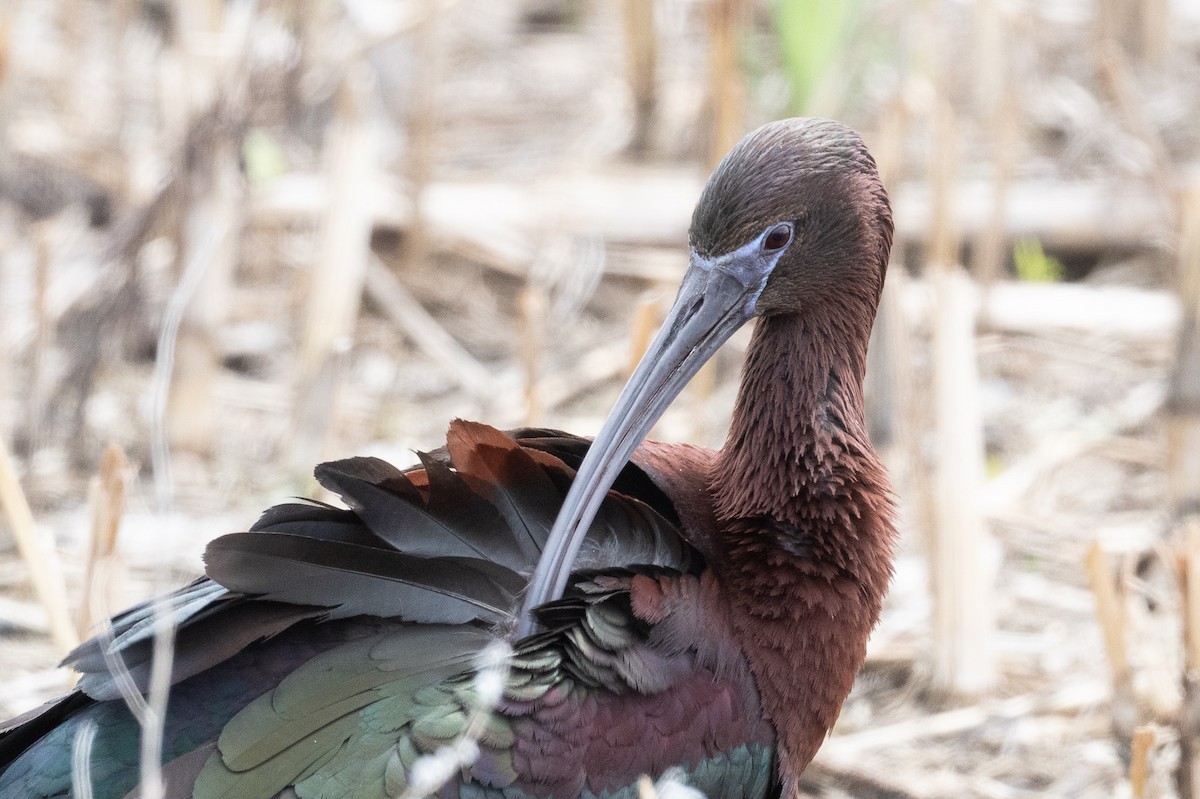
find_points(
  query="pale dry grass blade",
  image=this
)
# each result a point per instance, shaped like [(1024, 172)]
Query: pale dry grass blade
[(40, 556)]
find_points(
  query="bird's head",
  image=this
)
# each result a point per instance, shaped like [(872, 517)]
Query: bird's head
[(796, 211), (793, 220)]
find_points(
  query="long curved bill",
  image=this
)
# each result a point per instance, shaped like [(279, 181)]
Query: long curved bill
[(717, 297)]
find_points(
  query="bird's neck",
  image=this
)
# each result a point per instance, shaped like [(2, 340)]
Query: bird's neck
[(805, 513), (801, 398)]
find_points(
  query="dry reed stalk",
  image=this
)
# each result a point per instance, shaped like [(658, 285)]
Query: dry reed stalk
[(422, 128), (339, 272), (214, 206), (1139, 760), (43, 236), (5, 25), (1109, 611), (944, 236), (1188, 261), (647, 312), (964, 605), (1185, 775), (1188, 574), (39, 554), (1111, 614), (107, 499), (1183, 478), (726, 93), (533, 304), (71, 23), (1112, 23), (200, 122), (641, 61), (1155, 32), (1005, 123), (1190, 583), (1183, 392), (1139, 27), (990, 71)]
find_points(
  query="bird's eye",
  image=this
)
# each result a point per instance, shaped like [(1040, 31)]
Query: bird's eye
[(777, 238)]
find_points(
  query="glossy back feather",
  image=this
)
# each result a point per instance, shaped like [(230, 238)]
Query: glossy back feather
[(332, 647)]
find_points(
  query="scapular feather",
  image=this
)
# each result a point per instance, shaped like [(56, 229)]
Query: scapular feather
[(508, 478), (353, 580), (316, 520), (395, 513)]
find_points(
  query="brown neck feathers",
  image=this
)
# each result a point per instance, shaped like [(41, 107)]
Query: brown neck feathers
[(805, 512)]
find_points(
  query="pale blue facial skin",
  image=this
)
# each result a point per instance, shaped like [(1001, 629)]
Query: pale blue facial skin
[(719, 294), (751, 265)]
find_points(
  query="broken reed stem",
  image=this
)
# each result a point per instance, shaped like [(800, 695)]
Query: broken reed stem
[(646, 314), (339, 272), (998, 101), (1185, 776), (641, 59), (1155, 30), (1126, 714), (39, 554), (1188, 565), (1139, 760), (1183, 478), (1190, 585), (1140, 28), (726, 92), (107, 499), (335, 292), (43, 235), (943, 242), (421, 127), (964, 605), (533, 304), (963, 595), (5, 12), (214, 203), (1183, 390), (1108, 610)]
